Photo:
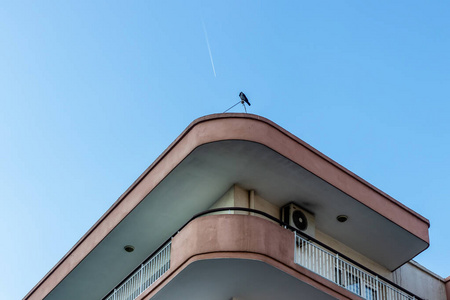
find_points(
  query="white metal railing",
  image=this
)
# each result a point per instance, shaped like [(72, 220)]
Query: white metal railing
[(145, 276), (340, 271)]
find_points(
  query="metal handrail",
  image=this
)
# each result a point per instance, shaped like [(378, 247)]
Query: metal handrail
[(145, 275), (336, 269), (281, 223)]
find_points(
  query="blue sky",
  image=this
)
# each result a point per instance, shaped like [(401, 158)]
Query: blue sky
[(92, 92)]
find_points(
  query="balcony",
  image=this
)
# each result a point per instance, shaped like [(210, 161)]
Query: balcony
[(344, 273), (226, 230), (144, 276)]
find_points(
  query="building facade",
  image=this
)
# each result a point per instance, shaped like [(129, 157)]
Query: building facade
[(239, 208)]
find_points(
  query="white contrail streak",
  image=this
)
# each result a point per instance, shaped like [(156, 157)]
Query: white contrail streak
[(209, 48)]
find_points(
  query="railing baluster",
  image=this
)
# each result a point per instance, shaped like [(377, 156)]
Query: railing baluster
[(332, 267), (146, 275)]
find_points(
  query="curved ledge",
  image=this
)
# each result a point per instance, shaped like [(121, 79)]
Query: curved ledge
[(266, 133), (240, 237), (221, 127), (240, 233)]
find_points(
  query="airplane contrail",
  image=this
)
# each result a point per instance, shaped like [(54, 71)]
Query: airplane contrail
[(209, 48)]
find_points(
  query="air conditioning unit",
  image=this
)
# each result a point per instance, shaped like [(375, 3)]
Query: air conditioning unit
[(299, 218)]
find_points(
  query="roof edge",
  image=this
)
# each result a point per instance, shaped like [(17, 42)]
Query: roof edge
[(309, 147), (192, 125)]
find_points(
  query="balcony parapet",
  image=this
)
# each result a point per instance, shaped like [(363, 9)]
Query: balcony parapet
[(339, 270), (209, 235)]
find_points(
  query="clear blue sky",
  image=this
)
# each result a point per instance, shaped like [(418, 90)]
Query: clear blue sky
[(91, 93)]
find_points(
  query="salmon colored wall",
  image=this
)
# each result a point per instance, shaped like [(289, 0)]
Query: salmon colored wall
[(447, 287), (231, 127), (244, 237)]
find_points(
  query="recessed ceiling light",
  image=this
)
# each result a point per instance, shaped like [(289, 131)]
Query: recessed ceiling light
[(342, 218), (129, 248)]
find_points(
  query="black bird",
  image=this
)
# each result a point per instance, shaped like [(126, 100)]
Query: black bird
[(244, 99)]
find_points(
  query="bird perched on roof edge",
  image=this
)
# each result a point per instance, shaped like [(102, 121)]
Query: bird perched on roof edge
[(244, 98)]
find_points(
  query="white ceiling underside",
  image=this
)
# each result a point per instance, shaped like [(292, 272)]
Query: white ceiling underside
[(205, 175), (222, 279)]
